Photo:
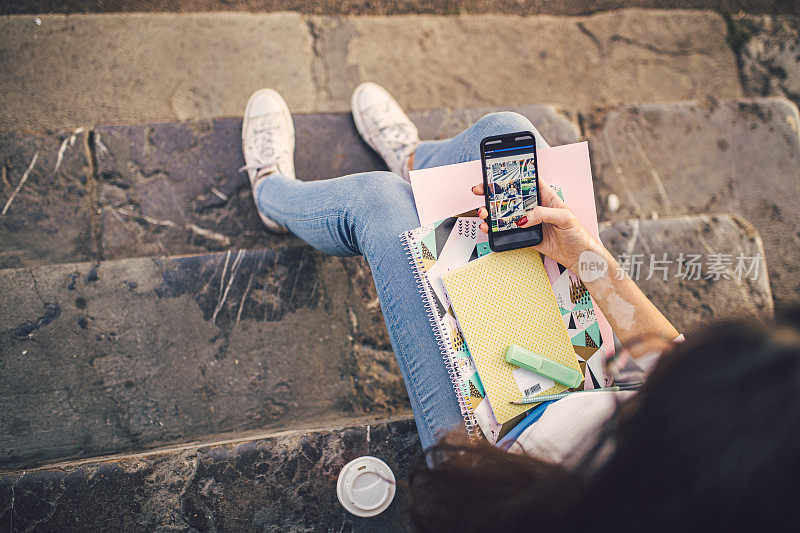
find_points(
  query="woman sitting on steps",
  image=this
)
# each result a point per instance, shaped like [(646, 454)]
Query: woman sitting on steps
[(711, 441)]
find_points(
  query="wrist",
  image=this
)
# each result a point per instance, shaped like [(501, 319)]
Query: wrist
[(592, 261)]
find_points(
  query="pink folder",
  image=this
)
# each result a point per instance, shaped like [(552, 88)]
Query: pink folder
[(442, 192)]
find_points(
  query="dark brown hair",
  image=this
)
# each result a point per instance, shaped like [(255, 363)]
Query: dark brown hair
[(712, 440)]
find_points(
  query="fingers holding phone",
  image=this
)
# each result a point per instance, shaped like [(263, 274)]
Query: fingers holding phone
[(560, 217), (564, 237), (510, 187), (483, 213)]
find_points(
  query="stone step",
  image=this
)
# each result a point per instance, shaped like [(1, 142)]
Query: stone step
[(278, 482), (286, 481), (141, 352), (695, 268), (174, 187), (204, 65), (738, 157), (167, 368), (159, 183), (392, 7), (48, 218)]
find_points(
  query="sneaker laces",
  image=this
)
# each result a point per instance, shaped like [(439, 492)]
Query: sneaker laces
[(264, 142), (396, 131)]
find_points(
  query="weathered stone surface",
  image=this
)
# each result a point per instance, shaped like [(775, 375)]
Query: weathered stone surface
[(770, 58), (90, 69), (660, 254), (87, 69), (174, 187), (735, 157), (48, 218), (156, 199), (370, 330), (144, 351), (556, 125), (287, 482), (280, 483), (609, 58), (393, 7)]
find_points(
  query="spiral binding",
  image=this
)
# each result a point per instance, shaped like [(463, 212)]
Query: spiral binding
[(442, 338)]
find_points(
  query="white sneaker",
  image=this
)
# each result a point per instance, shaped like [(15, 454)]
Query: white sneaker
[(384, 126), (267, 142)]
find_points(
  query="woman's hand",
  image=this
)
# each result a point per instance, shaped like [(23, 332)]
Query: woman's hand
[(564, 237), (626, 307)]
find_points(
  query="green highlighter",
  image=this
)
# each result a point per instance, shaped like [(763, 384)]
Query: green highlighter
[(548, 368)]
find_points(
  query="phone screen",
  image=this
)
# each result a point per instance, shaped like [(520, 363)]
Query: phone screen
[(512, 184)]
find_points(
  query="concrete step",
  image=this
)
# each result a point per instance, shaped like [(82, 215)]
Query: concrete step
[(740, 157), (172, 188), (277, 482), (141, 67), (137, 353), (695, 268), (48, 217), (138, 356)]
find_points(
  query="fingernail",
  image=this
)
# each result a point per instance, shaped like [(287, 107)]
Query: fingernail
[(521, 221), (474, 189)]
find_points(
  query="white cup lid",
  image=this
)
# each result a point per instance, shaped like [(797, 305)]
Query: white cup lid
[(366, 486)]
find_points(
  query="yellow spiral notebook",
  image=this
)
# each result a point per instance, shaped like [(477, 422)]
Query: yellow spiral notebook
[(505, 298)]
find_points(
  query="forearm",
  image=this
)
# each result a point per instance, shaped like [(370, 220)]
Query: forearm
[(630, 313)]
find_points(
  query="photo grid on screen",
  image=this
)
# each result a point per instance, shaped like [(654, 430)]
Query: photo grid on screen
[(512, 189)]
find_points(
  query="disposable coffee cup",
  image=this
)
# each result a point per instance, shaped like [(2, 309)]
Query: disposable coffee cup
[(366, 486)]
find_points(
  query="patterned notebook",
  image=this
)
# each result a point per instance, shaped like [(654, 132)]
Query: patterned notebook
[(464, 243), (506, 298), (433, 250)]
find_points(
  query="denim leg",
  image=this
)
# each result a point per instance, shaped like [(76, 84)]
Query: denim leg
[(466, 146), (365, 214)]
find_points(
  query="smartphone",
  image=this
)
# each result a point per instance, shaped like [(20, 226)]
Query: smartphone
[(511, 186)]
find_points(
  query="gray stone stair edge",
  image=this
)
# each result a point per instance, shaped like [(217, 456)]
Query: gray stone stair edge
[(283, 482), (220, 440), (738, 157), (319, 59), (132, 218)]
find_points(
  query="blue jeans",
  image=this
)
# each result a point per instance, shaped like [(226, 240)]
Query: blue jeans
[(365, 214)]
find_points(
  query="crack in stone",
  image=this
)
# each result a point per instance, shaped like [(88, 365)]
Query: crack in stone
[(592, 37), (655, 49), (319, 72), (36, 286), (93, 191)]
